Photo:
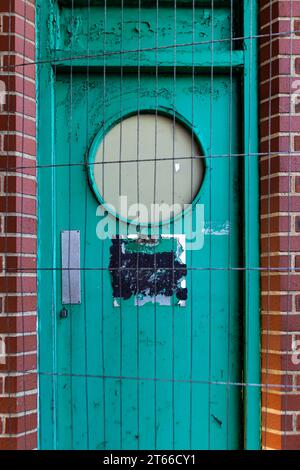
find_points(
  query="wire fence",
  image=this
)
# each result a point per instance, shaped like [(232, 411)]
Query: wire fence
[(160, 349)]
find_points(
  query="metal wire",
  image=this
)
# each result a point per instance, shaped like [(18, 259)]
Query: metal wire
[(269, 222), (159, 159), (59, 365), (148, 49)]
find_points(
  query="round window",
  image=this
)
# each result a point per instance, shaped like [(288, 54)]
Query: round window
[(147, 168)]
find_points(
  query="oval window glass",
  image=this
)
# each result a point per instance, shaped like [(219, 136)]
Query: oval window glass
[(148, 166)]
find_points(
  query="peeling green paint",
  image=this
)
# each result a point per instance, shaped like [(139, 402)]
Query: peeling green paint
[(78, 28)]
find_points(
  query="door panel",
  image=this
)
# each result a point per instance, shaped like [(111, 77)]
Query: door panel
[(152, 376)]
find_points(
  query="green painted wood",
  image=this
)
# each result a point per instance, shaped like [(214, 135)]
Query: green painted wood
[(83, 403), (184, 63), (77, 26), (71, 345)]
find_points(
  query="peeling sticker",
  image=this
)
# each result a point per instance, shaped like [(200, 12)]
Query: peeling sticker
[(149, 270), (218, 229)]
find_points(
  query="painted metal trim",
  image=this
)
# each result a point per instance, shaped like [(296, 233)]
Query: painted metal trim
[(252, 367), (46, 18)]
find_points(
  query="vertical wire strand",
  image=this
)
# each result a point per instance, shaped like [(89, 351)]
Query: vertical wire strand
[(102, 244), (173, 228), (54, 277), (228, 388), (191, 197), (120, 242), (85, 233), (287, 356), (138, 228), (173, 190), (248, 163), (154, 203), (210, 226), (21, 228), (268, 220), (70, 222), (7, 171)]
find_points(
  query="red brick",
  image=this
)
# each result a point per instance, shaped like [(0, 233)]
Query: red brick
[(18, 404), (18, 83), (21, 7), (278, 422), (19, 344), (18, 37), (20, 204), (26, 441), (17, 244), (279, 143), (281, 303), (15, 264), (275, 381), (22, 284), (298, 303), (274, 105), (20, 104), (271, 441), (21, 144), (15, 304), (271, 262), (20, 45), (291, 442), (17, 184), (281, 281), (18, 25), (297, 143), (24, 225), (298, 423), (280, 343), (277, 184), (18, 324), (21, 383), (19, 363), (22, 164), (20, 124), (284, 322), (21, 424)]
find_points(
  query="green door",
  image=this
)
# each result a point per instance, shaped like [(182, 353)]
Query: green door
[(141, 337)]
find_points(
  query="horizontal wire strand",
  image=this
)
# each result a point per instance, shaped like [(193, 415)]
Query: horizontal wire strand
[(158, 379), (148, 49), (286, 154)]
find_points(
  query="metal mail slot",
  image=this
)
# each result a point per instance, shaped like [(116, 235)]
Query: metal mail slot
[(70, 260)]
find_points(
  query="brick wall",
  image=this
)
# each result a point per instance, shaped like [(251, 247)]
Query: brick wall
[(18, 340), (280, 221)]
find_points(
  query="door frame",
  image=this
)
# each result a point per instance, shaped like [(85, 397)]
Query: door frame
[(247, 62)]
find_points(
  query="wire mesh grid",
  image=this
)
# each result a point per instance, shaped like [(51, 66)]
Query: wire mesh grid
[(122, 372)]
